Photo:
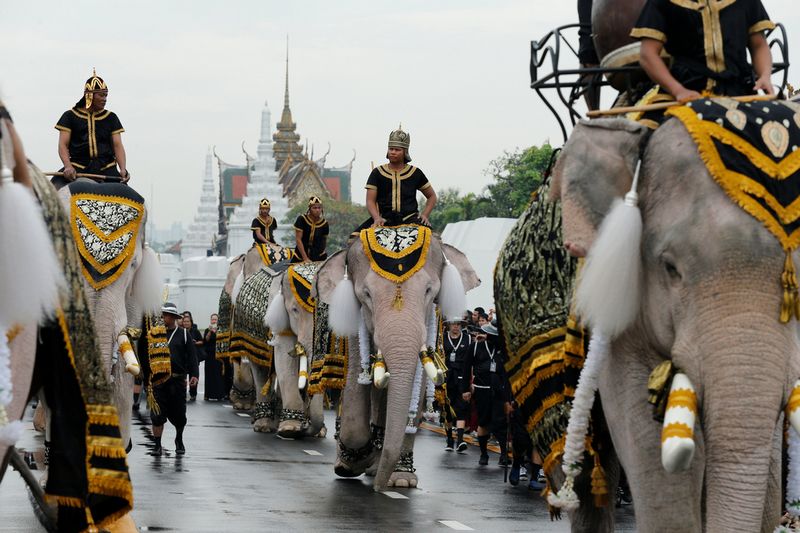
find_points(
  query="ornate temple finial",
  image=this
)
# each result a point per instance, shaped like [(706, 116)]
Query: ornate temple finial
[(286, 91)]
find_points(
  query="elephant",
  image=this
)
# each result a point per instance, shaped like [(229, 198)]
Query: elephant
[(396, 322), (122, 278), (279, 405), (708, 302)]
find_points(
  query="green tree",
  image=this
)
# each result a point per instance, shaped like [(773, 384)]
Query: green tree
[(515, 176), (343, 218)]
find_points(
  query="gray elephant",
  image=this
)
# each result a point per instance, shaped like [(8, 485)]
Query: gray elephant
[(121, 276), (273, 357), (397, 274), (710, 278)]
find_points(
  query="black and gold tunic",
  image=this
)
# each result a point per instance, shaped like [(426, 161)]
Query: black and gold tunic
[(267, 228), (314, 238), (91, 148), (707, 39), (397, 191)]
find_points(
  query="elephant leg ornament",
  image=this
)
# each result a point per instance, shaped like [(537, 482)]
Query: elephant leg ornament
[(677, 436), (125, 348)]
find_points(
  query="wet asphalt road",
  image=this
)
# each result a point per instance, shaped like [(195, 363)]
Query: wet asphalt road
[(235, 480)]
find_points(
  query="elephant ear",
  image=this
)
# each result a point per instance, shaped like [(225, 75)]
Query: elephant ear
[(328, 276), (595, 167)]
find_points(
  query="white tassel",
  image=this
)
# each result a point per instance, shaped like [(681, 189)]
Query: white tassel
[(411, 424), (344, 308), (30, 273), (452, 296), (148, 285), (578, 424), (363, 350), (237, 286), (276, 318), (607, 297)]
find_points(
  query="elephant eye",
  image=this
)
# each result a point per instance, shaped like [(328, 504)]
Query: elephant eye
[(672, 270)]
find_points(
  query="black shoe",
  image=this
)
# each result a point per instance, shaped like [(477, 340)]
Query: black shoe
[(462, 447), (193, 398), (484, 460), (158, 451), (503, 461), (513, 476), (449, 446), (180, 449), (623, 497)]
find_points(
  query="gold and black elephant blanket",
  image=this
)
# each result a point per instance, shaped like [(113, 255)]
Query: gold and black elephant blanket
[(533, 284), (249, 336), (88, 471), (106, 219), (751, 151)]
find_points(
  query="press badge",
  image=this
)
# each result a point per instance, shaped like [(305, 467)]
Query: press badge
[(492, 367), (452, 357)]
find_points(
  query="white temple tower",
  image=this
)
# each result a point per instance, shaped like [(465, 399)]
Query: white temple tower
[(202, 232), (263, 183)]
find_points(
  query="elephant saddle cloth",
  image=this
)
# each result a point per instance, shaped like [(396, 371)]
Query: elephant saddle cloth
[(249, 336), (396, 253), (301, 276), (105, 220), (328, 368), (750, 149), (273, 253)]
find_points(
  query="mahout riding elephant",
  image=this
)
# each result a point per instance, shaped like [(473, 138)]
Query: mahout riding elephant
[(710, 279), (121, 274), (272, 357), (392, 277)]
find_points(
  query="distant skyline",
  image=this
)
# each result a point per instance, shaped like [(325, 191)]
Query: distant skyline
[(185, 75)]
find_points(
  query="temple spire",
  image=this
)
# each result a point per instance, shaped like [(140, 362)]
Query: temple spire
[(286, 138), (286, 91)]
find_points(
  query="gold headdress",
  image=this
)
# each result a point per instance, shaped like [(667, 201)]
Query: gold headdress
[(93, 84), (264, 203), (400, 139), (314, 200)]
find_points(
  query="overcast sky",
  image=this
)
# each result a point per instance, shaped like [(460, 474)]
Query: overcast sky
[(184, 75)]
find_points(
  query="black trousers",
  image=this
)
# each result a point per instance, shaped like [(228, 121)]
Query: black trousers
[(491, 411), (171, 400)]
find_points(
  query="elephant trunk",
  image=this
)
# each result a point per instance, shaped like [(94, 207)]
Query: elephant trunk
[(402, 359), (744, 381), (398, 399)]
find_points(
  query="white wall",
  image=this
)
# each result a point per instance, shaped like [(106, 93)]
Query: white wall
[(481, 241), (202, 279)]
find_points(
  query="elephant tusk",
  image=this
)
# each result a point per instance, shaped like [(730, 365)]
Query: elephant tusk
[(793, 407), (379, 374), (126, 350), (433, 373), (677, 435), (302, 380)]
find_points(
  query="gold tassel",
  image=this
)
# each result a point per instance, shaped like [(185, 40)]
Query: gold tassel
[(90, 522), (599, 484), (152, 404), (790, 307), (398, 297)]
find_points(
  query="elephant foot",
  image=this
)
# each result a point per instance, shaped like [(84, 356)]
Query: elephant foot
[(402, 480), (353, 462), (263, 425), (290, 429)]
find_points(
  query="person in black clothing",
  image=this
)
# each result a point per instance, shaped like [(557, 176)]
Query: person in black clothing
[(456, 344), (485, 362), (392, 188), (90, 139), (264, 225), (171, 395), (215, 389), (197, 339), (311, 234), (708, 42)]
